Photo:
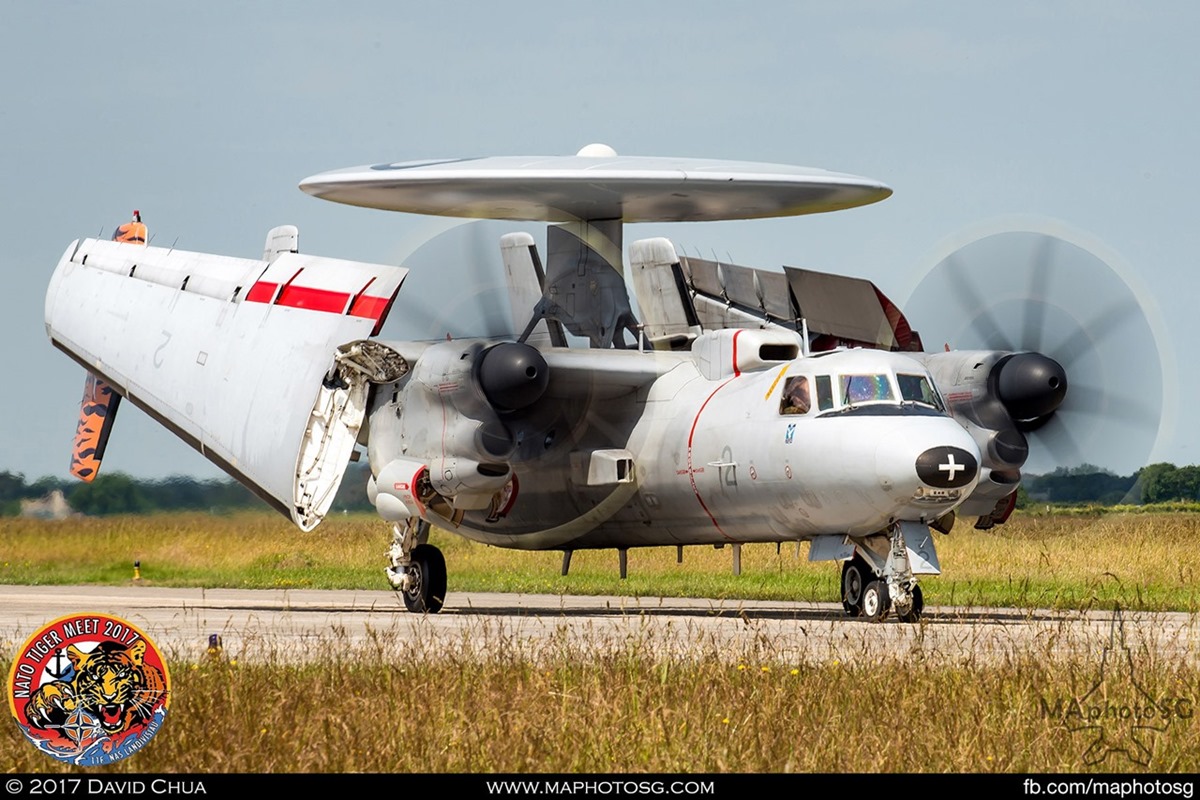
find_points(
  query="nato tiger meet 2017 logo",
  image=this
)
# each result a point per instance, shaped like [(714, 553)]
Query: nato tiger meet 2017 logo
[(89, 689)]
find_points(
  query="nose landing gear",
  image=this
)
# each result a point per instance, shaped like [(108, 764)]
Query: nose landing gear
[(875, 584)]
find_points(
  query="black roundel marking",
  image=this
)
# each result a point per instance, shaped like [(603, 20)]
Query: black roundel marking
[(946, 467)]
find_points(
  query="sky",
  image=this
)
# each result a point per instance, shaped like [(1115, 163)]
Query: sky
[(1071, 118)]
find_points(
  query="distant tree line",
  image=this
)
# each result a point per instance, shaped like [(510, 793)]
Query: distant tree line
[(118, 493), (1087, 483)]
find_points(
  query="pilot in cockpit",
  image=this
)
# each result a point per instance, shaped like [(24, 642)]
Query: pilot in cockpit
[(795, 396)]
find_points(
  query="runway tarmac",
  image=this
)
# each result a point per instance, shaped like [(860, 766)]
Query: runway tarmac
[(289, 625)]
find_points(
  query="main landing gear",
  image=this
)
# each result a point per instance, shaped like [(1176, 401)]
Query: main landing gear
[(874, 585), (416, 568)]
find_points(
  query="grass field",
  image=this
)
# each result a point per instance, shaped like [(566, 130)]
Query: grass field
[(497, 710), (1142, 561), (492, 707)]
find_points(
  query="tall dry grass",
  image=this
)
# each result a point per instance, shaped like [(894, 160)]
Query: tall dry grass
[(493, 705)]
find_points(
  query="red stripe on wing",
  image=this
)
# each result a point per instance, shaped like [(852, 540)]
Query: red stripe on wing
[(369, 307), (314, 299), (261, 292)]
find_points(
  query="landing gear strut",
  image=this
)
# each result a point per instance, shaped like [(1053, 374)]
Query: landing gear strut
[(416, 568)]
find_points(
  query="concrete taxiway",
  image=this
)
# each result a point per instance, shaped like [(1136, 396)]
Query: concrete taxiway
[(289, 625)]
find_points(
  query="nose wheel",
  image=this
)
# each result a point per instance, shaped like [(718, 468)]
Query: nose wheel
[(855, 574), (916, 607), (875, 601)]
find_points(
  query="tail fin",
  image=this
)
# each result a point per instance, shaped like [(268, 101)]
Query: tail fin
[(281, 239), (526, 281), (96, 415), (662, 295)]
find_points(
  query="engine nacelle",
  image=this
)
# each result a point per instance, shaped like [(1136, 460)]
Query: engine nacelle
[(449, 416), (998, 396)]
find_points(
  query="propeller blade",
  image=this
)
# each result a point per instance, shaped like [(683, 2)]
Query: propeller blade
[(1033, 329), (1093, 333), (1056, 439), (456, 287), (1112, 407), (981, 320)]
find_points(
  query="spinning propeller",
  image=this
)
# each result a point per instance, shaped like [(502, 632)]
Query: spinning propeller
[(460, 275), (1086, 381)]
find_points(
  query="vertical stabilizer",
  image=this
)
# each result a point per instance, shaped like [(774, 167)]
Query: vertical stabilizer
[(660, 286), (585, 284), (98, 409), (526, 279), (281, 239)]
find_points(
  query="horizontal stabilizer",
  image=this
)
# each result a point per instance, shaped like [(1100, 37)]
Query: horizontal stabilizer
[(229, 354)]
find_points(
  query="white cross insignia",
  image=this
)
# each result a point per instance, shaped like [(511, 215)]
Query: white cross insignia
[(951, 468)]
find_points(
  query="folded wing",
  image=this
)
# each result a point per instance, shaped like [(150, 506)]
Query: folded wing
[(233, 355)]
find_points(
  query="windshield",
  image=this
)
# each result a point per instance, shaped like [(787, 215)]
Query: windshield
[(865, 388), (917, 389)]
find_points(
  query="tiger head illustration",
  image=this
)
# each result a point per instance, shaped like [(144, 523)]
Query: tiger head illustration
[(112, 683), (115, 685)]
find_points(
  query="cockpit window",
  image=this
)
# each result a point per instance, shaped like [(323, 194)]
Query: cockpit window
[(865, 388), (917, 389), (796, 399), (824, 393)]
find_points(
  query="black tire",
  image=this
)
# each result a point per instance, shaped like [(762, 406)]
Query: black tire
[(875, 601), (918, 606), (854, 579), (428, 589)]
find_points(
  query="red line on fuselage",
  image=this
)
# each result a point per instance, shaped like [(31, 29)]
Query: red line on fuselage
[(736, 371), (691, 473)]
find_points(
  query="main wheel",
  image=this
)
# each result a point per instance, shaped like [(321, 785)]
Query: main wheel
[(875, 601), (854, 579), (918, 606), (427, 580)]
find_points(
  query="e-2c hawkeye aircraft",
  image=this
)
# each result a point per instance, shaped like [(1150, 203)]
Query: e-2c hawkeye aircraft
[(736, 405)]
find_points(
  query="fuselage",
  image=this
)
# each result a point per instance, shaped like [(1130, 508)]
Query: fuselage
[(844, 442)]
